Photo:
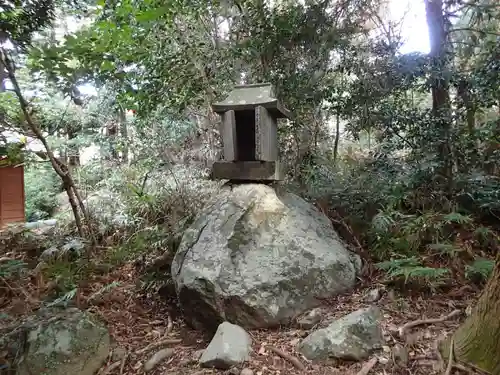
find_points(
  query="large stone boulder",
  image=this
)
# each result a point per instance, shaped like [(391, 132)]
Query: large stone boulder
[(258, 257), (68, 342)]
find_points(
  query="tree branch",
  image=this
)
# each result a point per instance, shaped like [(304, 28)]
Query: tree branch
[(473, 30)]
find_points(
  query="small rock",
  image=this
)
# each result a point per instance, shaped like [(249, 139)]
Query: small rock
[(157, 358), (311, 319), (400, 355), (49, 254), (392, 295), (352, 337), (246, 371), (233, 371), (74, 245), (197, 354), (230, 346), (373, 295), (119, 353), (383, 360)]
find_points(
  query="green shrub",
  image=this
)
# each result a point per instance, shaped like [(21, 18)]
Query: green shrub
[(41, 186)]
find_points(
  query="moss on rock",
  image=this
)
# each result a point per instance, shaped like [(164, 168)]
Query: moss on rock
[(70, 342)]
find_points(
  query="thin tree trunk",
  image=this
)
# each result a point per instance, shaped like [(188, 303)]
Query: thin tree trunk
[(337, 138), (3, 71), (58, 167), (73, 153), (441, 106), (477, 340), (463, 92), (3, 77), (123, 133)]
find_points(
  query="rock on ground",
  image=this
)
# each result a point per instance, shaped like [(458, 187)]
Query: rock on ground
[(230, 346), (258, 257), (373, 295), (68, 342), (352, 337), (72, 249), (312, 318)]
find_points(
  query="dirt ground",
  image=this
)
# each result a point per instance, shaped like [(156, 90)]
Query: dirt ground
[(139, 322)]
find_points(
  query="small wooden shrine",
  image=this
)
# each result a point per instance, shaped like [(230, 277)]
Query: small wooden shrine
[(249, 129)]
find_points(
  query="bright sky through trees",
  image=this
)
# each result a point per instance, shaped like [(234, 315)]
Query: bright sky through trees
[(414, 27)]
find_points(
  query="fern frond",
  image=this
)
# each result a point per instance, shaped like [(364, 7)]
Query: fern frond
[(445, 249), (457, 218), (64, 299)]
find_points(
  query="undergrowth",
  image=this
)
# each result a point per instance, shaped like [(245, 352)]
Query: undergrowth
[(414, 232), (139, 213)]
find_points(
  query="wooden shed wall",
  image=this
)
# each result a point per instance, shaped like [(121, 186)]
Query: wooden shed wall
[(11, 195)]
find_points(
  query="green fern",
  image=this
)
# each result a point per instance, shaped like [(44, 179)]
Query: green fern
[(389, 265), (105, 289), (12, 268), (411, 268), (481, 267), (382, 222), (486, 237), (457, 218), (64, 300), (445, 249), (483, 233)]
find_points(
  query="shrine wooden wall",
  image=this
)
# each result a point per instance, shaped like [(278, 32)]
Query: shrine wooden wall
[(11, 195)]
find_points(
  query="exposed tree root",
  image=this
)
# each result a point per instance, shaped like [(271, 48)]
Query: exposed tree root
[(402, 330), (367, 367), (158, 344), (124, 360), (290, 358), (170, 326), (111, 367), (450, 359)]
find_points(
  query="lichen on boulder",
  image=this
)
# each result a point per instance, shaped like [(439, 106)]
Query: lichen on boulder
[(257, 256), (69, 342), (352, 337)]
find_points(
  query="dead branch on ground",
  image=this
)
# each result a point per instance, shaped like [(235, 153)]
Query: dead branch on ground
[(170, 326), (290, 358), (368, 366), (402, 330), (157, 345), (124, 360)]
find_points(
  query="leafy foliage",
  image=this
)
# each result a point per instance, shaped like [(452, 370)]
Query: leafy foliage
[(42, 186), (401, 149)]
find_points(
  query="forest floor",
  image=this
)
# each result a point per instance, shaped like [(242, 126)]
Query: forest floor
[(137, 323), (140, 325)]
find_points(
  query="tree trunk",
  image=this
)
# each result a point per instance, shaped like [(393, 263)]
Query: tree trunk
[(464, 93), (112, 133), (72, 153), (477, 341), (441, 106), (3, 71), (69, 185), (337, 138), (123, 133)]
